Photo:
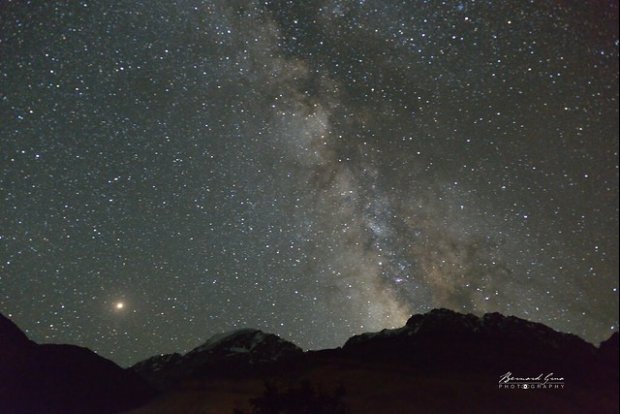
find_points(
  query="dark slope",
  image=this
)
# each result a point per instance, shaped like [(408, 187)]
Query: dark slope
[(62, 378)]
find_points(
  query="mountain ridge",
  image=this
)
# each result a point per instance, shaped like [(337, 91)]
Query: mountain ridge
[(395, 370), (392, 370)]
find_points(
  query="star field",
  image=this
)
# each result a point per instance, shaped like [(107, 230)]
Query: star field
[(316, 169)]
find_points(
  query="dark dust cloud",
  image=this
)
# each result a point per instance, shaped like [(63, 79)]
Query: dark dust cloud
[(174, 169)]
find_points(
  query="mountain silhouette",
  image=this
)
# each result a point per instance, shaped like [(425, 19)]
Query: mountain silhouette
[(441, 362), (231, 353), (449, 341), (62, 379)]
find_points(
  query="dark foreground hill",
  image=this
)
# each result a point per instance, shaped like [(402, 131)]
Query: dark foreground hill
[(67, 379), (439, 362)]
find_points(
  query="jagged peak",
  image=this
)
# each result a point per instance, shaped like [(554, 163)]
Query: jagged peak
[(446, 322), (443, 318), (229, 337), (241, 340), (242, 348)]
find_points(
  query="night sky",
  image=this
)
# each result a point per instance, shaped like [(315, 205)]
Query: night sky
[(174, 169)]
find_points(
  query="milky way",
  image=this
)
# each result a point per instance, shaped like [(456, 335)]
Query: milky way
[(314, 169)]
